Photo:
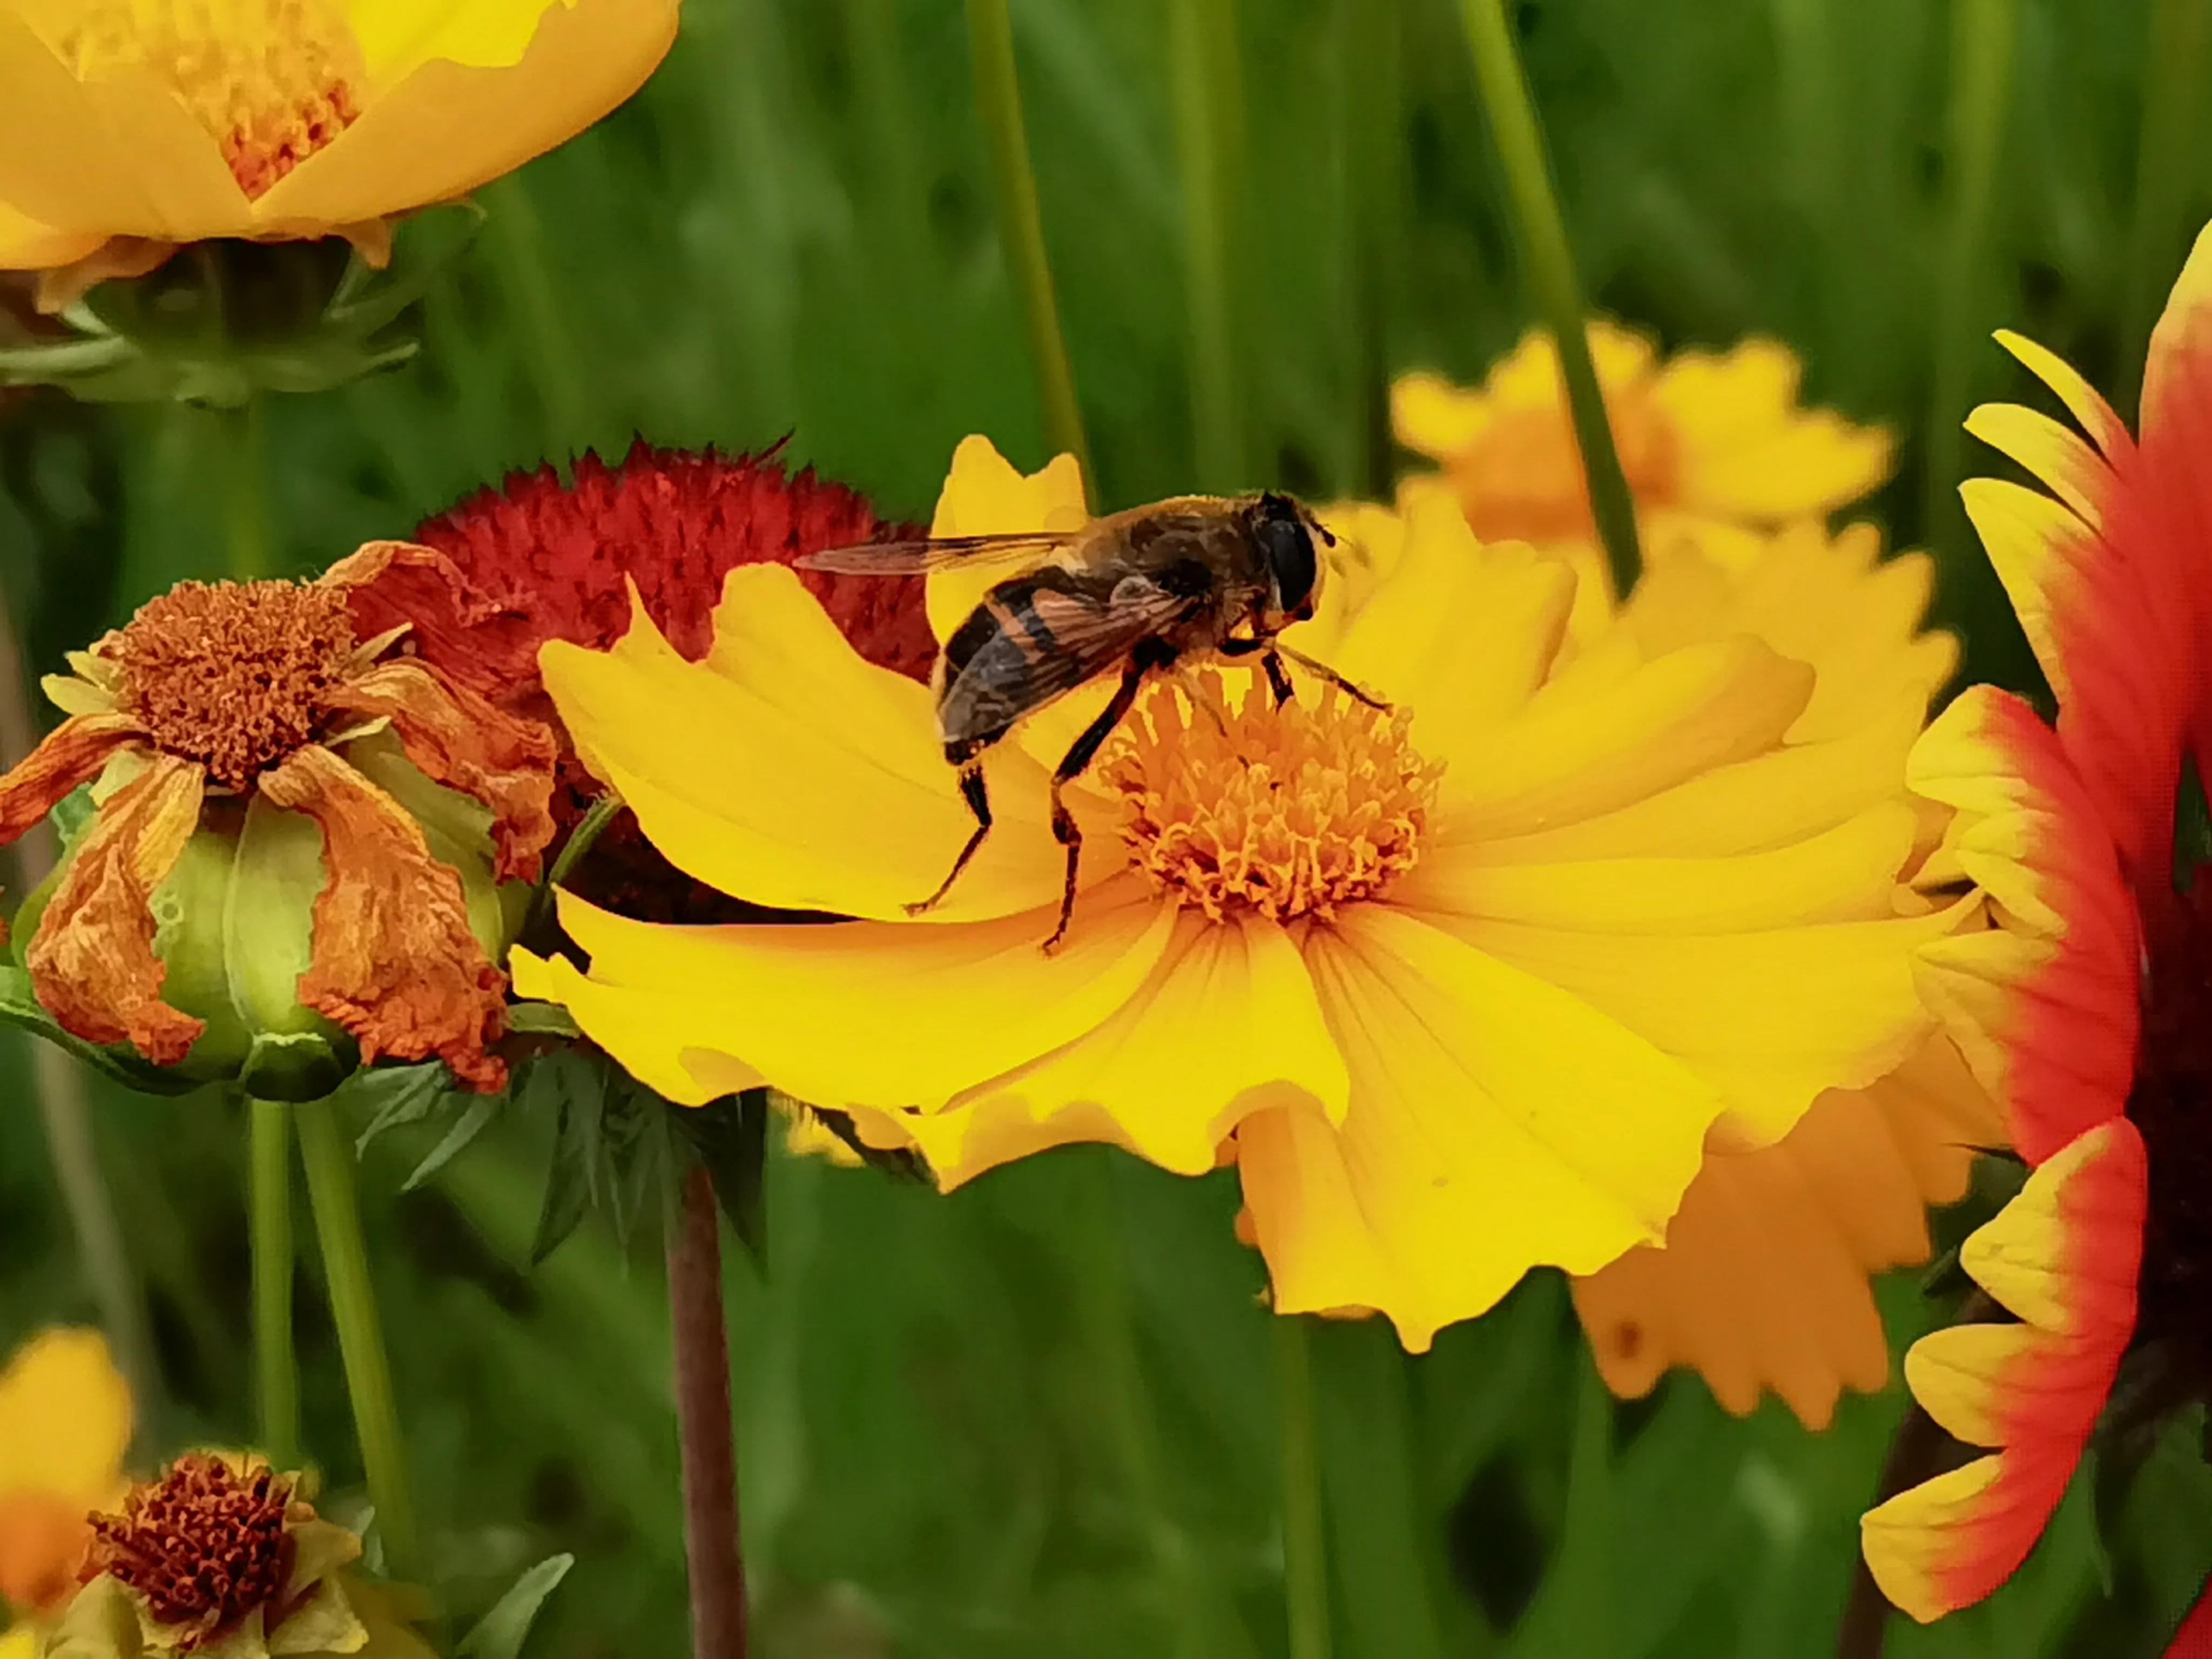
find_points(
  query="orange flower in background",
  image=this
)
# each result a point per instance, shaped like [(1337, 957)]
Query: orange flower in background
[(2082, 1006), (297, 842), (65, 1423), (1763, 1281), (1709, 442), (1464, 983), (128, 129)]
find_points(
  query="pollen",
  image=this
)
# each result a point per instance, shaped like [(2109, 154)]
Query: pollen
[(204, 1544), (1289, 811), (272, 80), (233, 675)]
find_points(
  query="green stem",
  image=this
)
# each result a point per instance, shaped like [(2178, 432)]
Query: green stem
[(1370, 95), (1548, 262), (276, 1370), (1305, 1550), (2167, 165), (246, 501), (330, 1189), (1984, 35), (1021, 226), (1208, 76)]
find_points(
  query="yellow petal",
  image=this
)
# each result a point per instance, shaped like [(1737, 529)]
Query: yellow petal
[(449, 127), (397, 36), (1845, 874), (1495, 1124), (2080, 477), (1771, 1018), (65, 1418), (1433, 417), (1964, 1375), (120, 156), (787, 770), (1748, 452), (1228, 1021), (27, 244), (888, 1015), (2083, 401), (985, 495)]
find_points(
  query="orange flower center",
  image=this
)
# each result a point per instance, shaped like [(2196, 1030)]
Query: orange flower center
[(1523, 481), (41, 1538), (233, 675), (273, 80), (1289, 811), (204, 1544)]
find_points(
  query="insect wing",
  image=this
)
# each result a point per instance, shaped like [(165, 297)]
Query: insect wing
[(919, 554), (1052, 639)]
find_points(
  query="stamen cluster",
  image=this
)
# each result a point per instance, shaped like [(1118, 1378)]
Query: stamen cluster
[(233, 675), (204, 1544), (1288, 811)]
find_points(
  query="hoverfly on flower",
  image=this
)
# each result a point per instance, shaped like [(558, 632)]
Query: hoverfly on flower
[(1142, 591)]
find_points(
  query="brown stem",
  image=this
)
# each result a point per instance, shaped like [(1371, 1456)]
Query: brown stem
[(704, 1425)]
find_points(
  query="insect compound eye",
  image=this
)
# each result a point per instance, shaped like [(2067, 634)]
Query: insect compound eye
[(1287, 544)]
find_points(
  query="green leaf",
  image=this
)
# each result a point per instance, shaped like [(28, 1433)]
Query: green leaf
[(730, 1137), (396, 1095), (501, 1633), (472, 1122), (568, 1082), (541, 1019), (19, 1007)]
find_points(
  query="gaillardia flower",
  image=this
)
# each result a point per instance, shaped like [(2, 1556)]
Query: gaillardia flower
[(1763, 1283), (507, 570), (129, 129), (297, 846), (1462, 985), (223, 1556), (2082, 1003), (1705, 440), (65, 1423)]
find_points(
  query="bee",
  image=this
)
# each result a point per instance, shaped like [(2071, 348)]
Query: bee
[(1138, 593)]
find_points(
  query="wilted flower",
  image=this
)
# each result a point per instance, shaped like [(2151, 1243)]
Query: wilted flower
[(1461, 988), (2082, 1006), (297, 845), (223, 1556), (126, 130), (1708, 441), (65, 1422)]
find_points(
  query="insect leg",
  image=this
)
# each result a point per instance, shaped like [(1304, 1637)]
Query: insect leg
[(1323, 670), (1277, 677), (979, 802), (1080, 754)]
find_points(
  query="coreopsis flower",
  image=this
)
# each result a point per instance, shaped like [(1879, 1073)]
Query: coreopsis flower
[(1763, 1283), (1460, 986), (127, 131), (2081, 1003), (1708, 442), (223, 1555), (491, 582), (65, 1423), (303, 846)]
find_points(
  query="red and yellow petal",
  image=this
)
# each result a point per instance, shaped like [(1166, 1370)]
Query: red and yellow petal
[(394, 960), (458, 739), (2064, 1255), (71, 754), (92, 960), (2045, 1002)]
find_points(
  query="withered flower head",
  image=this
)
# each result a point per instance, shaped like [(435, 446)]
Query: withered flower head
[(507, 570), (298, 840), (225, 1557)]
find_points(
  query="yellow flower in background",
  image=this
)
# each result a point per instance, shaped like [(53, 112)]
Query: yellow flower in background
[(128, 127), (1462, 986), (1707, 439), (65, 1424)]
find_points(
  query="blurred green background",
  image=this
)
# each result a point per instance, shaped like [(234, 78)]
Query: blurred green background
[(1038, 1418)]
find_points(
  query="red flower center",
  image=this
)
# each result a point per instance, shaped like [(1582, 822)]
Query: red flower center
[(2171, 1105), (204, 1544)]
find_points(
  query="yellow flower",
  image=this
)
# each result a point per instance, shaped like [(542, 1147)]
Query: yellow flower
[(222, 1555), (128, 127), (1462, 986), (65, 1423), (1705, 440)]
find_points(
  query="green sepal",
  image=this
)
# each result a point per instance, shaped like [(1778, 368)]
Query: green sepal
[(500, 1633), (729, 1136), (295, 1066)]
